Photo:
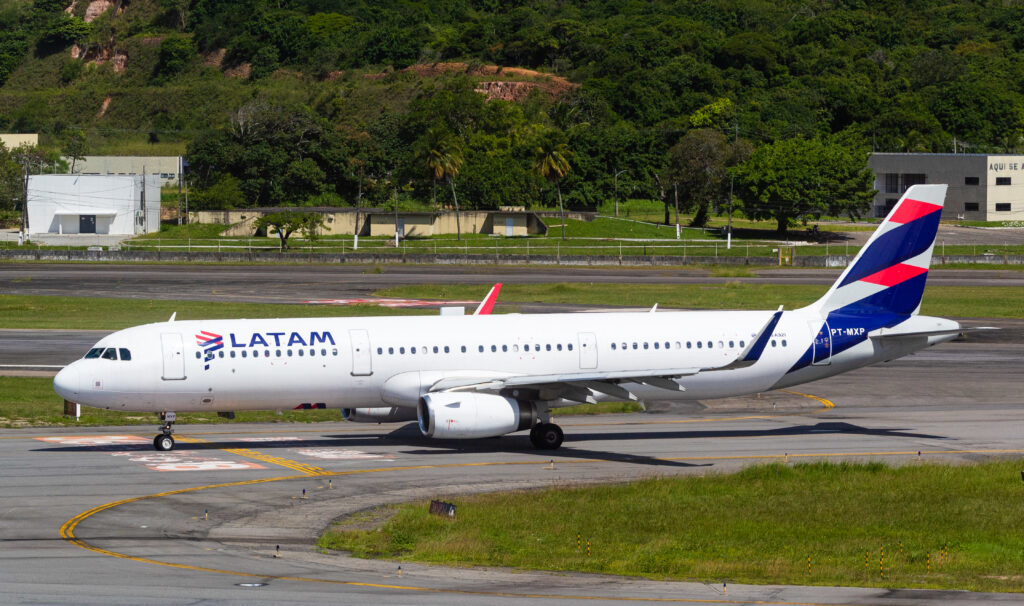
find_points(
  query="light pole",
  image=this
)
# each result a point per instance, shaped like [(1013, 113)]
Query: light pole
[(617, 190)]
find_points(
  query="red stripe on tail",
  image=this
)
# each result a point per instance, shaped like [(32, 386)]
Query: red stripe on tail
[(891, 276), (913, 209)]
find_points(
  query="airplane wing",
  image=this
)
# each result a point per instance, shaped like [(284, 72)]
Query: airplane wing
[(888, 333), (583, 386)]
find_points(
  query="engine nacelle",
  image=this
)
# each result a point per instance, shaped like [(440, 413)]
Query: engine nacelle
[(386, 414), (454, 415)]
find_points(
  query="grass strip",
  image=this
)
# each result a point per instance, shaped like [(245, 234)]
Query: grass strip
[(922, 526), (954, 301), (74, 313), (31, 402)]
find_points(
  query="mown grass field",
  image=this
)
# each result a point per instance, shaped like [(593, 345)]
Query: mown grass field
[(854, 521), (955, 301), (31, 402)]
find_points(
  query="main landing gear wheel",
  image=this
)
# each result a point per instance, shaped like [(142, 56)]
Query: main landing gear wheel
[(163, 443), (546, 436)]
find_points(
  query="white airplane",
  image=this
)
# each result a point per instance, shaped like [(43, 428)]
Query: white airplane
[(490, 375)]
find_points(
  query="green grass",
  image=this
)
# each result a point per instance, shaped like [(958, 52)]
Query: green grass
[(956, 301), (74, 313), (31, 402), (756, 526), (597, 409)]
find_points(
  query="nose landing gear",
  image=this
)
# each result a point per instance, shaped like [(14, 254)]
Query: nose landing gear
[(164, 441)]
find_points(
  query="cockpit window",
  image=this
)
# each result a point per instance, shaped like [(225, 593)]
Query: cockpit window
[(125, 354), (109, 354), (94, 353)]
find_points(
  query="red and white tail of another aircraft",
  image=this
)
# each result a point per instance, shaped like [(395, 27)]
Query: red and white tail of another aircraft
[(488, 375)]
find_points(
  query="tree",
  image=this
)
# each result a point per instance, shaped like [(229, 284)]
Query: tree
[(552, 163), (698, 165), (445, 159), (74, 146), (795, 179), (11, 184), (287, 222)]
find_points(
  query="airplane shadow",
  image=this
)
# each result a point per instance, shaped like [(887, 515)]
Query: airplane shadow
[(408, 436)]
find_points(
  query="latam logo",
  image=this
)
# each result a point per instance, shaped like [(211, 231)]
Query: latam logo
[(210, 343)]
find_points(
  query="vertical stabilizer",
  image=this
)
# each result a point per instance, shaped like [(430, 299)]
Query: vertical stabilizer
[(888, 275)]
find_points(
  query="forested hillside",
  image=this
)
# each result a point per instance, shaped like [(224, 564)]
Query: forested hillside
[(327, 101)]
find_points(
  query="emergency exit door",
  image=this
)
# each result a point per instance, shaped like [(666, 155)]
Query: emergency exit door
[(588, 350)]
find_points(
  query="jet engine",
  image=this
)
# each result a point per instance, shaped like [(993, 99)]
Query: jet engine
[(453, 415), (384, 414)]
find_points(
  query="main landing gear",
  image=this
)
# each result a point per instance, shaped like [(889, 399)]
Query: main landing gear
[(546, 436), (164, 441)]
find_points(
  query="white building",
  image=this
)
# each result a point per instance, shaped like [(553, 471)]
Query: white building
[(12, 141), (93, 204), (168, 168), (982, 187)]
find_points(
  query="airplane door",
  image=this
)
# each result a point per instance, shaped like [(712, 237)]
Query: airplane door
[(588, 350), (174, 357), (362, 364), (822, 347)]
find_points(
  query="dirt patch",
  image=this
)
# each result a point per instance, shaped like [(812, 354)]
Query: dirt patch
[(240, 71), (215, 58), (153, 40), (103, 108), (97, 8), (367, 519), (555, 86)]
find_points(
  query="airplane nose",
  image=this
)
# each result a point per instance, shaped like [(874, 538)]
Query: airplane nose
[(66, 383)]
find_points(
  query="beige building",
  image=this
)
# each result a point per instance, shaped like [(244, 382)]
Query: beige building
[(377, 222), (167, 167), (13, 140), (982, 187)]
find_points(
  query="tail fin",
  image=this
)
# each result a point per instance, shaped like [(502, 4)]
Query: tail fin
[(889, 273)]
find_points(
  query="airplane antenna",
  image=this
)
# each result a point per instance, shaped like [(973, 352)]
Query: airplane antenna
[(654, 309), (172, 316)]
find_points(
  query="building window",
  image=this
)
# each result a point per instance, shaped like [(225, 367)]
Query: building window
[(970, 181), (892, 183), (971, 207), (1002, 207), (912, 179), (1002, 180)]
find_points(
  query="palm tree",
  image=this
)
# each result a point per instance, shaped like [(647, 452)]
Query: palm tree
[(552, 156), (443, 160)]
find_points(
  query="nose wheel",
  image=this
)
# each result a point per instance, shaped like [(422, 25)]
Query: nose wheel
[(164, 442)]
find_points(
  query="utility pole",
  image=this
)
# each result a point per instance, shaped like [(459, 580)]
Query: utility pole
[(144, 223), (617, 191), (728, 228), (24, 200), (181, 175)]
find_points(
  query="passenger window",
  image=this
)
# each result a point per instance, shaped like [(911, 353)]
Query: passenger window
[(412, 350), (401, 350), (689, 345), (721, 345), (312, 353), (289, 353), (634, 345), (125, 354), (732, 344), (570, 346), (480, 348), (323, 352), (515, 347), (109, 354), (559, 347), (504, 348), (278, 353), (463, 349), (624, 346), (232, 353), (198, 355), (445, 349), (645, 344), (380, 350), (435, 349), (391, 350), (741, 344), (710, 344), (266, 353), (656, 345), (334, 352), (668, 345), (526, 347), (244, 354), (773, 342), (679, 345), (783, 342), (548, 347), (613, 346), (96, 351), (699, 345), (494, 348)]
